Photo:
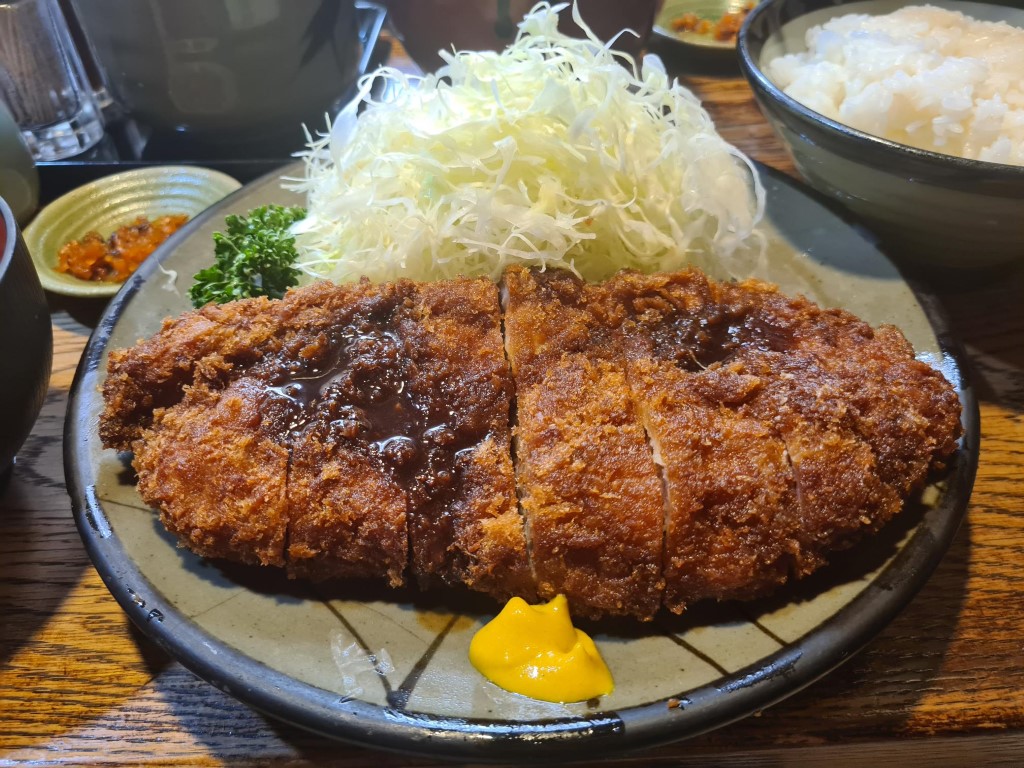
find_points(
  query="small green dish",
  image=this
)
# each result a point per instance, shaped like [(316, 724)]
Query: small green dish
[(710, 11), (111, 202)]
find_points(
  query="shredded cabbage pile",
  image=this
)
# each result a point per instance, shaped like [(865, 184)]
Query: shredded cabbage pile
[(551, 153)]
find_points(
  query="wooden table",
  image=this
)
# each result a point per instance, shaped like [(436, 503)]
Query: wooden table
[(943, 685)]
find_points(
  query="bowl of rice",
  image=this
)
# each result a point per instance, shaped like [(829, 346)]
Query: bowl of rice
[(911, 117)]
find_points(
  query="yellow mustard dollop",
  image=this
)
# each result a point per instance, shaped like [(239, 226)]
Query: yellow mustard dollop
[(535, 650)]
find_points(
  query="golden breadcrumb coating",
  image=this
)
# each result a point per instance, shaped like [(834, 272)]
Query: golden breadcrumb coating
[(215, 469), (589, 487)]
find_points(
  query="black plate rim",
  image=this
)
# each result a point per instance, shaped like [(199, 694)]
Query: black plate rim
[(711, 706)]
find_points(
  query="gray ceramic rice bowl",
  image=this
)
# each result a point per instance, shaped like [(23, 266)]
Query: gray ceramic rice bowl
[(927, 208)]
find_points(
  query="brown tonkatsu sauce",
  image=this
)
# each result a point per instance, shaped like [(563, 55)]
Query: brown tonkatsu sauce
[(358, 391)]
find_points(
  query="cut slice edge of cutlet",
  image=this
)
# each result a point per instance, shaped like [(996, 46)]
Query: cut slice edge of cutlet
[(726, 476), (345, 380), (589, 489), (465, 525)]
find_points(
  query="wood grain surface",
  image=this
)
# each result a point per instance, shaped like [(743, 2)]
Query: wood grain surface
[(943, 685)]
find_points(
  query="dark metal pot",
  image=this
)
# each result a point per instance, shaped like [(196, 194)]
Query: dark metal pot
[(26, 340), (241, 76)]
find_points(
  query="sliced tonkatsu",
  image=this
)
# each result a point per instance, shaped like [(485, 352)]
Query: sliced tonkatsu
[(589, 488), (401, 453), (730, 491), (809, 450), (344, 380), (385, 409), (465, 526), (675, 438), (197, 403)]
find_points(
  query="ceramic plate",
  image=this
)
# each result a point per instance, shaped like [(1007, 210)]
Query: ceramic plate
[(111, 202), (389, 669)]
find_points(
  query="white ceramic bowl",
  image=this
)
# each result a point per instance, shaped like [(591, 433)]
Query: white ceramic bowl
[(927, 208), (111, 202)]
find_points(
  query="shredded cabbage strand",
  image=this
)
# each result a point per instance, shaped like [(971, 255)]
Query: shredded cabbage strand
[(555, 152)]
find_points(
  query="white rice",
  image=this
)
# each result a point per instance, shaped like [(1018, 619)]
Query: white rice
[(924, 76)]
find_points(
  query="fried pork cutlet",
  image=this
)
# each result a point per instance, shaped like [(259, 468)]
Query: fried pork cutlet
[(237, 422), (676, 438), (797, 470), (589, 488), (465, 527), (344, 381), (386, 409), (729, 487)]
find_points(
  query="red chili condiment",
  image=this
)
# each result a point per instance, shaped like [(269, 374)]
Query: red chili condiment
[(113, 259)]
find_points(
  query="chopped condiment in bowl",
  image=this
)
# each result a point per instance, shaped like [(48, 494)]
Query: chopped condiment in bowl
[(114, 258), (106, 205), (723, 30), (703, 26)]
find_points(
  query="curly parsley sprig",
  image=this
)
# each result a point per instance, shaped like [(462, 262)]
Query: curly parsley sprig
[(255, 257)]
